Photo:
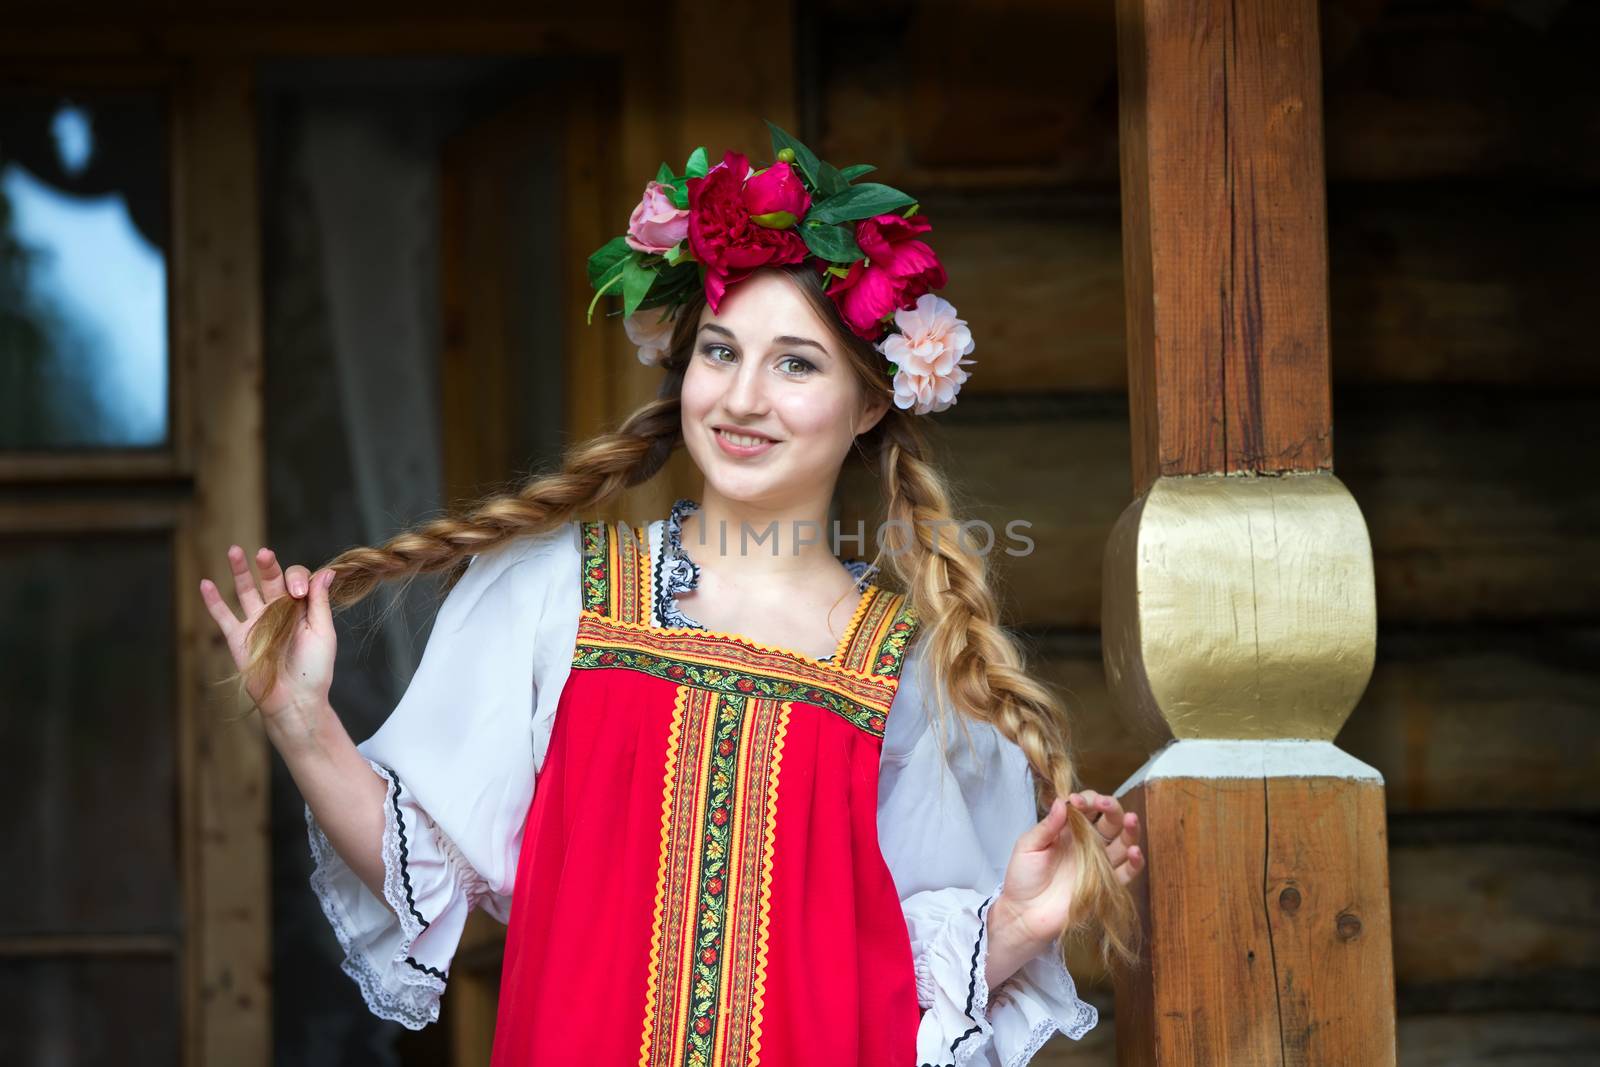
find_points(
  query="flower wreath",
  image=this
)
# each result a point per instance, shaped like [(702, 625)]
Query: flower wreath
[(711, 227)]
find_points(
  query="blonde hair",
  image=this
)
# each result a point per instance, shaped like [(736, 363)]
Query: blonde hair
[(947, 586)]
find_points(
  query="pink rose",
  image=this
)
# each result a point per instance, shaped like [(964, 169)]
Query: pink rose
[(897, 269), (656, 224), (724, 237), (928, 353)]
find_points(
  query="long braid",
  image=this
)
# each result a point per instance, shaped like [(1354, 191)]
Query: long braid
[(982, 667), (592, 473)]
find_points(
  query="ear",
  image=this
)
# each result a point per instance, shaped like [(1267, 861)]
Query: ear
[(872, 409)]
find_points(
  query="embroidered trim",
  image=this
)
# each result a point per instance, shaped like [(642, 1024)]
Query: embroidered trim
[(713, 885), (857, 682), (980, 1000), (724, 664), (416, 1003), (676, 572)]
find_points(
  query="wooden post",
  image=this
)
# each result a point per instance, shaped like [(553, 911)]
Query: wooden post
[(1239, 610)]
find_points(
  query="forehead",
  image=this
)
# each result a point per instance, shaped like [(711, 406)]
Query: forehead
[(765, 305)]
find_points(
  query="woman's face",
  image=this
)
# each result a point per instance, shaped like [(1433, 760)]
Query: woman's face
[(770, 404)]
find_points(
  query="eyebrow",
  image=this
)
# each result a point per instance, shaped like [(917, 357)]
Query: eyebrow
[(786, 339)]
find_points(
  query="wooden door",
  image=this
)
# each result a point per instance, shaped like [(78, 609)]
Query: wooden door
[(135, 915)]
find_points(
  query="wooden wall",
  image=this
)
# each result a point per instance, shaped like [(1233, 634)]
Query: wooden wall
[(1463, 171)]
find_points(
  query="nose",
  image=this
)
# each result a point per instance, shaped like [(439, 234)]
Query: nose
[(747, 391)]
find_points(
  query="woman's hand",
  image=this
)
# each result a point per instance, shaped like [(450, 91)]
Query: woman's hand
[(1037, 897), (306, 676)]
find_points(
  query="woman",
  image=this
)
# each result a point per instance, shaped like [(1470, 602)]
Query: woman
[(713, 791)]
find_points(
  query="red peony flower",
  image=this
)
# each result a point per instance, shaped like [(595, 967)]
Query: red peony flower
[(714, 886), (724, 746), (702, 1025), (898, 269), (722, 234), (719, 816), (777, 189), (708, 956)]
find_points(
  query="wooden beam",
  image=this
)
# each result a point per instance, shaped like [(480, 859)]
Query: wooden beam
[(226, 770), (1239, 613), (1224, 237)]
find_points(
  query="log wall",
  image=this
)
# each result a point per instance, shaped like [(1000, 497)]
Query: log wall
[(1462, 181)]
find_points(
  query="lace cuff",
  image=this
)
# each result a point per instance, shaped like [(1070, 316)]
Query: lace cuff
[(398, 949), (962, 1023)]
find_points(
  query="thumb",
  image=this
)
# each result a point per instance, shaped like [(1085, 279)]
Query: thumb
[(320, 615), (1043, 833)]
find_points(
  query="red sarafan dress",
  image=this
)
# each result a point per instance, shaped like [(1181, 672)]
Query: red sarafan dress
[(700, 881)]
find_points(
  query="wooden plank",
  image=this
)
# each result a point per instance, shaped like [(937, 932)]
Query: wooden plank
[(1419, 297), (1496, 910), (1260, 896), (1468, 495), (1444, 719), (1240, 877), (1469, 498), (1499, 1039), (1327, 904), (1463, 91), (1069, 492), (224, 768), (1225, 238), (1039, 279), (305, 29), (1020, 97)]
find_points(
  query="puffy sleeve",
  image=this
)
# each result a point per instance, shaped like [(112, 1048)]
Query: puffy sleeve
[(947, 824), (460, 753)]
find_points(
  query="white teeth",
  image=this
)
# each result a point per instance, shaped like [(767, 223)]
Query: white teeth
[(743, 441)]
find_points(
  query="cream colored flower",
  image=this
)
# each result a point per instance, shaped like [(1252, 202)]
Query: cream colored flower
[(652, 331), (928, 353)]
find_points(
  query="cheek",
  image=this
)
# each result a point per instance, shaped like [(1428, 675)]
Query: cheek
[(815, 416), (696, 397)]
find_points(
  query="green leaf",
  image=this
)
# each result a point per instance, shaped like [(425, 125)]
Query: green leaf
[(636, 282), (829, 181), (805, 159), (698, 164), (606, 258), (673, 285), (833, 243), (664, 175), (859, 202), (680, 193), (851, 173)]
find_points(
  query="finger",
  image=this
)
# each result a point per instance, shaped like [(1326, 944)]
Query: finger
[(244, 583), (1130, 829), (320, 615), (1111, 822), (272, 583), (1086, 802), (1043, 833), (218, 608), (298, 579), (1128, 871), (1117, 847)]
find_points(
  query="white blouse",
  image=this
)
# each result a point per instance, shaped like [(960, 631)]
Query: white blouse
[(462, 749)]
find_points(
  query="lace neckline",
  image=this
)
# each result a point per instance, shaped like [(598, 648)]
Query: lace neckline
[(676, 573)]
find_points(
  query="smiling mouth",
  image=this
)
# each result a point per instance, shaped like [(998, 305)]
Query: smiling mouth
[(743, 440)]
